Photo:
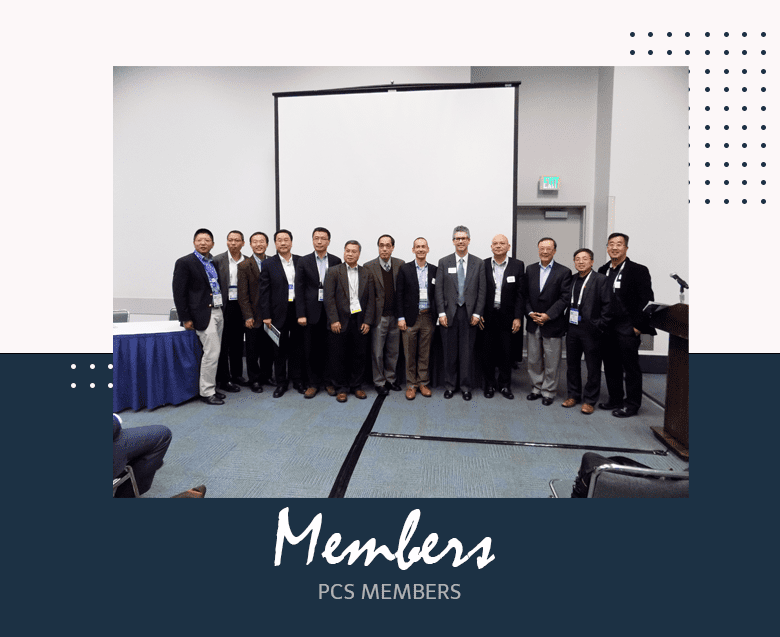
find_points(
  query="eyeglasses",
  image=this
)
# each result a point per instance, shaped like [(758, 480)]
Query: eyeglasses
[(615, 245)]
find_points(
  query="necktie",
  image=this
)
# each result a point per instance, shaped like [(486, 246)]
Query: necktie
[(386, 267), (461, 283)]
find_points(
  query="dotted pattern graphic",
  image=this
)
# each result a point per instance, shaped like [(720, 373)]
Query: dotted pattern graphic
[(734, 80), (92, 375)]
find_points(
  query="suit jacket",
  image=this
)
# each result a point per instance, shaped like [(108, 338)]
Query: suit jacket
[(192, 294), (222, 264), (407, 292), (595, 306), (274, 291), (447, 286), (374, 268), (249, 290), (553, 300), (337, 296), (307, 285), (512, 301), (630, 298)]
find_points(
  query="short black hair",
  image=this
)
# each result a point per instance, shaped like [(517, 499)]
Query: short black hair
[(238, 232), (321, 229), (203, 231), (354, 242), (588, 250), (618, 234), (388, 236), (280, 231), (254, 234), (555, 245)]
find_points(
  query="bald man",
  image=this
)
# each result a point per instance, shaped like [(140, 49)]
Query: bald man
[(503, 316)]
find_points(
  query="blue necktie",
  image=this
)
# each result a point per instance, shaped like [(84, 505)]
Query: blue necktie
[(461, 283)]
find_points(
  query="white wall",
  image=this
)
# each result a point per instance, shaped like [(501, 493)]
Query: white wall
[(649, 173), (194, 147)]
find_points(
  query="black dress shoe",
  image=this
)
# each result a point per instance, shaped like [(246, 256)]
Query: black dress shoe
[(489, 392), (256, 387), (382, 390), (466, 395), (219, 395), (279, 391), (240, 380), (231, 387), (507, 393), (448, 393), (299, 388), (547, 401), (393, 386), (610, 405), (212, 400), (625, 412), (533, 396)]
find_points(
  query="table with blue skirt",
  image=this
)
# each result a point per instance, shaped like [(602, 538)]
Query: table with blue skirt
[(155, 363)]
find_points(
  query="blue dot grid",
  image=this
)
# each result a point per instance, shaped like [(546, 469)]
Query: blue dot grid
[(91, 374), (730, 108)]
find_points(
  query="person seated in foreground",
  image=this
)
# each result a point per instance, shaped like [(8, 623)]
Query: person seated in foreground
[(143, 448)]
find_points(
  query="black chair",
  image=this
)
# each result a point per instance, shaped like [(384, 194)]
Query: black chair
[(126, 475), (618, 481)]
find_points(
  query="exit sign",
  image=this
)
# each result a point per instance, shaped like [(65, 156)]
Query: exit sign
[(549, 183)]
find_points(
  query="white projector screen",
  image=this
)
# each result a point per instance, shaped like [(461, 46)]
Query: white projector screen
[(405, 163)]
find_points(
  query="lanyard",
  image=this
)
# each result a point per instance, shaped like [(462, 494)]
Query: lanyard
[(617, 276), (582, 290)]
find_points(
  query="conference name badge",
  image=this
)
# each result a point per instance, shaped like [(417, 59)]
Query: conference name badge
[(423, 294), (233, 293), (290, 292), (354, 306), (574, 316), (320, 294), (452, 270), (510, 279), (217, 300), (433, 281)]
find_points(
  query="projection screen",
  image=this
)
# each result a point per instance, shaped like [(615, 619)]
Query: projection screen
[(406, 161)]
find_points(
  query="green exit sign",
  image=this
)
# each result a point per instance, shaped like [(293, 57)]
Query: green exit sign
[(549, 183)]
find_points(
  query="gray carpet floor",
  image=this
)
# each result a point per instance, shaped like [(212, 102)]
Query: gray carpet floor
[(256, 446)]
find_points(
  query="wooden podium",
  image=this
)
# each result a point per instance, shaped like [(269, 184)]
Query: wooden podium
[(674, 320)]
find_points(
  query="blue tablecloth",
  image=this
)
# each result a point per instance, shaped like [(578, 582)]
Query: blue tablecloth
[(155, 368)]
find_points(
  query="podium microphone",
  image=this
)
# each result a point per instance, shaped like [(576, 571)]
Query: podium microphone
[(682, 283)]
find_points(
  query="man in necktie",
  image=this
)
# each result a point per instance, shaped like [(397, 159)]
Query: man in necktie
[(460, 298), (385, 337)]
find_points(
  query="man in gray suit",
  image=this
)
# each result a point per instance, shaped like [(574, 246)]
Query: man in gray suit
[(231, 355), (385, 337), (460, 298)]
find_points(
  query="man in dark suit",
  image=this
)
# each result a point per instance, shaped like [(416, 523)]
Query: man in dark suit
[(631, 291), (310, 308), (546, 290), (259, 347), (199, 300), (460, 298), (588, 318), (231, 354), (350, 306), (503, 316), (416, 307), (385, 337), (277, 307)]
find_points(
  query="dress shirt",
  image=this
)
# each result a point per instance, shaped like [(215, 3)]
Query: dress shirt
[(544, 272), (289, 271), (386, 265), (422, 281), (498, 276), (211, 271), (322, 266), (354, 282), (259, 262), (233, 268)]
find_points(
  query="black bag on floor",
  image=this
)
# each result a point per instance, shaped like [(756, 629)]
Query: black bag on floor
[(592, 461)]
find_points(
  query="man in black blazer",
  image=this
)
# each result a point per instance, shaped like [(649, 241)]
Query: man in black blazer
[(415, 308), (547, 289), (199, 300), (503, 316), (259, 347), (277, 307), (631, 291), (588, 318), (385, 337), (460, 298), (310, 308), (350, 307), (231, 355)]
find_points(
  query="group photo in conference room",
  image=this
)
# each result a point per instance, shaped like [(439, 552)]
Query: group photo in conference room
[(371, 282)]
